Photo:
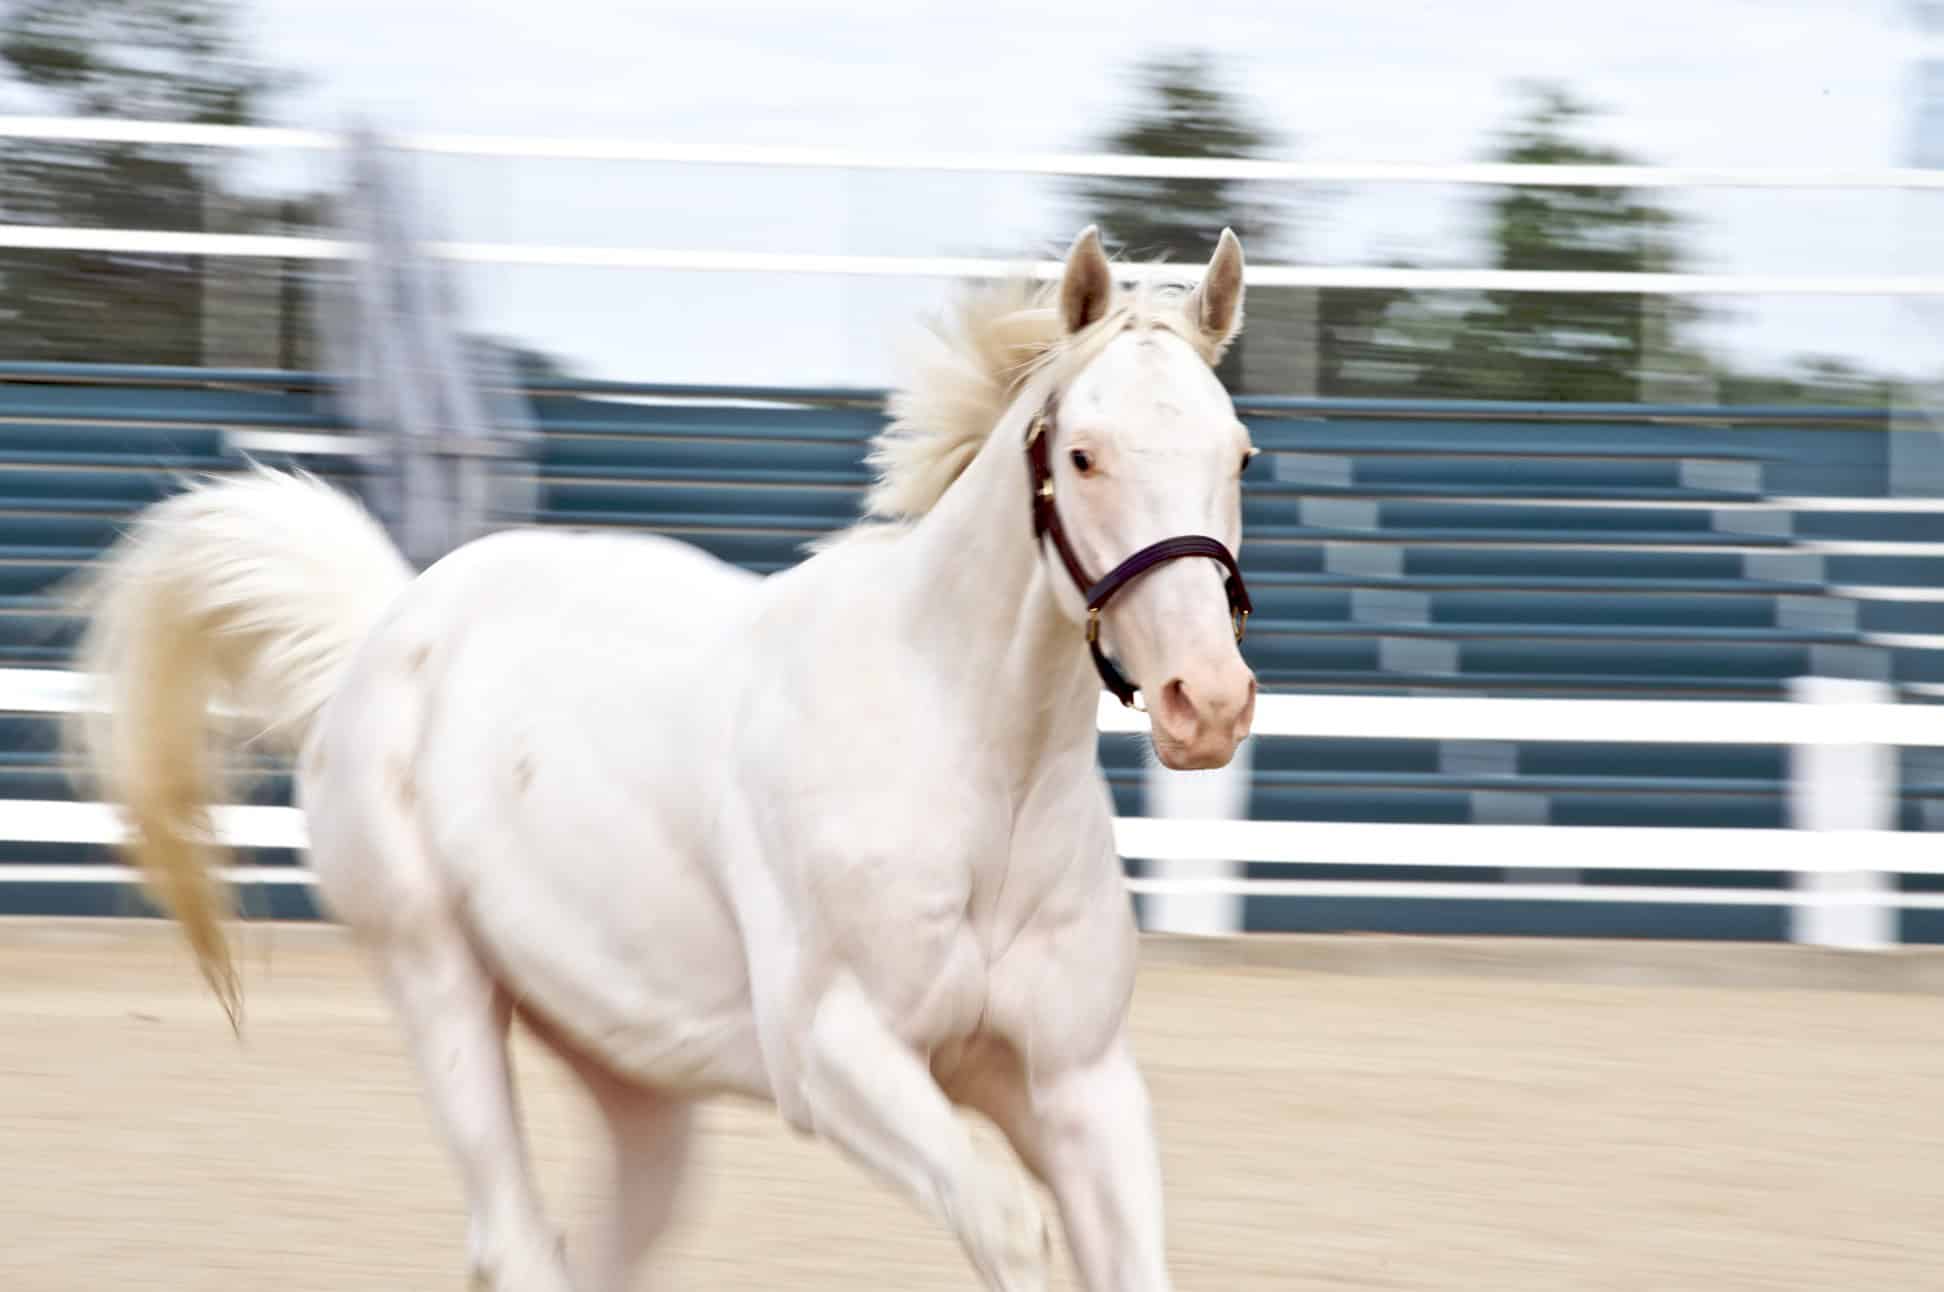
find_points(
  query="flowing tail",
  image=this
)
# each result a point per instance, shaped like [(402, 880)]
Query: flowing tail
[(250, 592)]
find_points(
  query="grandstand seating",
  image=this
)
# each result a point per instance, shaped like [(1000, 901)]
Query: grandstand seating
[(1409, 548)]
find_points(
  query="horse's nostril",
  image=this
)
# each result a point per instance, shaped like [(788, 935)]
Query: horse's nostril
[(1177, 710)]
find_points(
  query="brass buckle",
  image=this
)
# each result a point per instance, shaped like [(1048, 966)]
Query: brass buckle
[(1093, 627), (1037, 429), (1241, 618)]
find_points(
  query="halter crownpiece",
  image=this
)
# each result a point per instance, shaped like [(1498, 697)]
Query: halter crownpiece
[(1046, 522)]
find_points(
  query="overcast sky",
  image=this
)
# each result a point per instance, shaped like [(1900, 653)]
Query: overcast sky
[(1683, 82)]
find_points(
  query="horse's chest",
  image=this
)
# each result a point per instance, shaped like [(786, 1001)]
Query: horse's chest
[(915, 869), (902, 923)]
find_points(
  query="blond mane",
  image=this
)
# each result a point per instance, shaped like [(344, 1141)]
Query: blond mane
[(968, 366)]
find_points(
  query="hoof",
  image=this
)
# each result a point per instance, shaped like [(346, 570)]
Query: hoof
[(536, 1268), (1017, 1247)]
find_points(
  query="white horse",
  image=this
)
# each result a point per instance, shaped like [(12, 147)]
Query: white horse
[(835, 839)]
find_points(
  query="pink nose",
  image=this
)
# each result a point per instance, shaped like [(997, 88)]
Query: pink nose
[(1199, 721)]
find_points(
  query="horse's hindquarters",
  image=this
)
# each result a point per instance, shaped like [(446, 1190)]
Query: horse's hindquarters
[(597, 915), (523, 751)]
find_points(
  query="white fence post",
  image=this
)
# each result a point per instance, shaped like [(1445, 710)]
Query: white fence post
[(1843, 787), (1220, 795)]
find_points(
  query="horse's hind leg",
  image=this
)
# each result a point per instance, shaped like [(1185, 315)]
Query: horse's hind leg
[(649, 1137), (651, 1134), (456, 1020)]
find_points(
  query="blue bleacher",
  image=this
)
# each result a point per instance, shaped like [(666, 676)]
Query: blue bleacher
[(1412, 548)]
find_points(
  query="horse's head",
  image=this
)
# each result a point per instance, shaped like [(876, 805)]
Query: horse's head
[(1141, 445)]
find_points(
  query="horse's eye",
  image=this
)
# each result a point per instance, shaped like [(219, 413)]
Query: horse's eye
[(1082, 461)]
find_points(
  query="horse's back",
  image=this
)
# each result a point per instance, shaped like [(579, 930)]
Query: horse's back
[(662, 587)]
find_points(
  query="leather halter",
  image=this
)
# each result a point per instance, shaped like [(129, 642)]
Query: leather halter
[(1046, 522)]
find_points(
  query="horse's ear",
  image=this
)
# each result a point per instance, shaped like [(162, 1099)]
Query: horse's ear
[(1087, 286), (1216, 305)]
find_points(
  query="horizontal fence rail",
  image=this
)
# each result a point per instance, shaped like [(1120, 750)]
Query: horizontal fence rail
[(1368, 717), (676, 260), (1723, 722), (1841, 897), (1107, 165), (289, 247)]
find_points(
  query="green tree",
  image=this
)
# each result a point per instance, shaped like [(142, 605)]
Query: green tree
[(169, 60), (1296, 339), (1377, 342), (1569, 345), (1183, 109), (1827, 381)]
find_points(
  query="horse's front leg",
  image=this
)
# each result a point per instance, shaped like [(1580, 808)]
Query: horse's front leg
[(1088, 1132), (872, 1096)]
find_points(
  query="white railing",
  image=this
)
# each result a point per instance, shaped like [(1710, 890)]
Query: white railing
[(1842, 791), (1841, 734), (680, 260), (161, 242), (1842, 781), (581, 148)]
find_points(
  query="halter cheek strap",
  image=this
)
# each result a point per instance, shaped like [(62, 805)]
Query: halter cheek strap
[(1046, 524)]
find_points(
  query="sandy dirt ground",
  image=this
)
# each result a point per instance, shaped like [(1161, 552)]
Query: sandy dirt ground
[(1321, 1130)]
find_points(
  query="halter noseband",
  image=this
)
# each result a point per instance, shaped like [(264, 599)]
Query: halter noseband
[(1046, 521)]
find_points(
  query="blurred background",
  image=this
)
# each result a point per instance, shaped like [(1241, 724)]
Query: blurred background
[(1595, 351), (1597, 551), (1798, 84)]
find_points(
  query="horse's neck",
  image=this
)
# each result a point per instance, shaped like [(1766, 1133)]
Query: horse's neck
[(984, 604)]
